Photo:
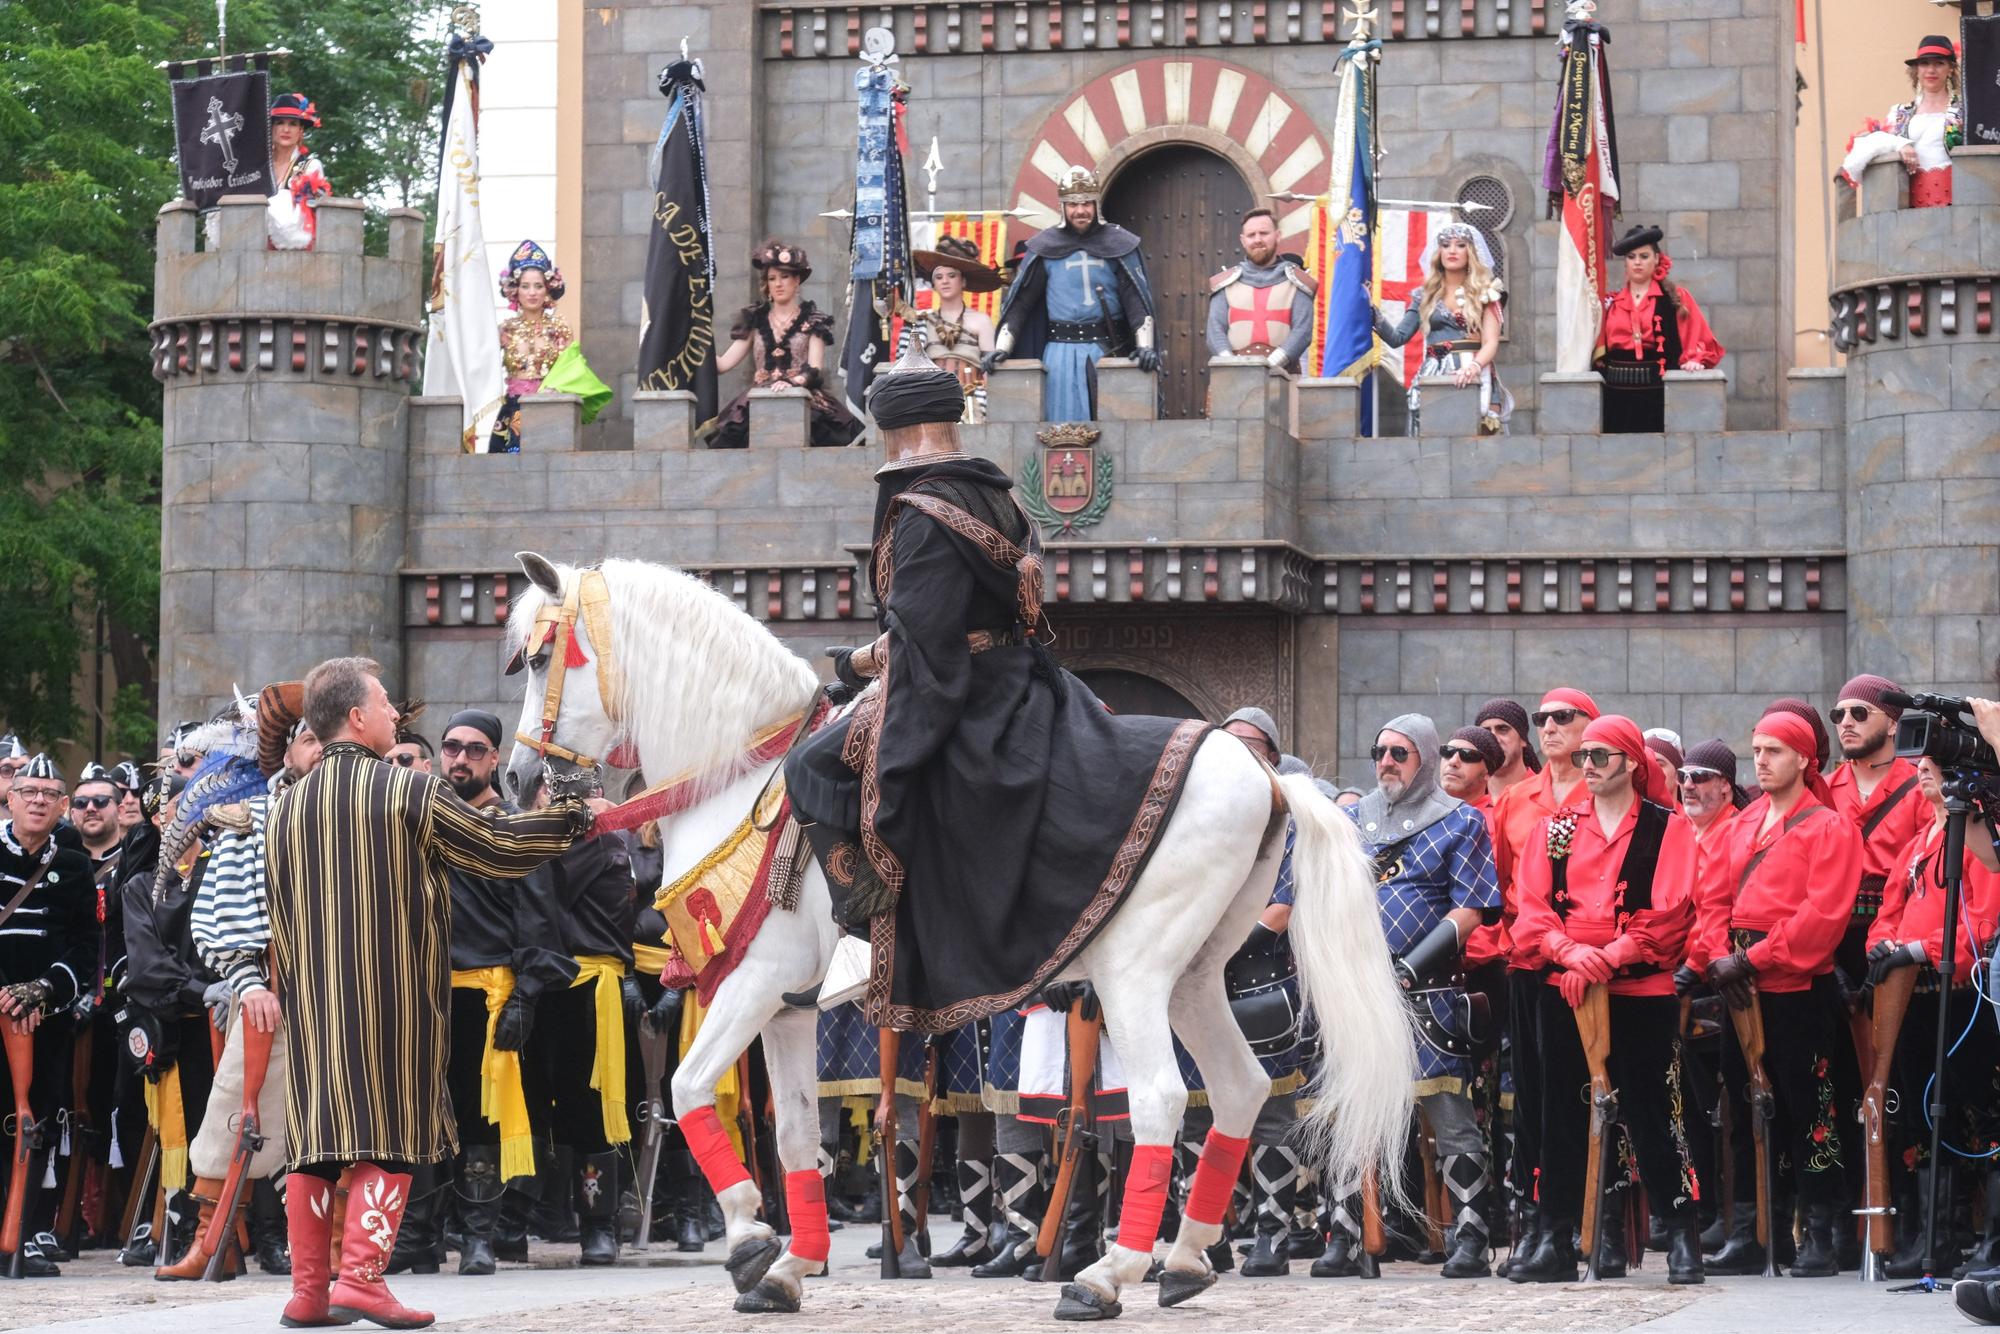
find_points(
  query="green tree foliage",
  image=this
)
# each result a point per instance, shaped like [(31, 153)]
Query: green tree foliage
[(86, 159)]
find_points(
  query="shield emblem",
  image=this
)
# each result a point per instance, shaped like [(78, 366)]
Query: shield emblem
[(1069, 478)]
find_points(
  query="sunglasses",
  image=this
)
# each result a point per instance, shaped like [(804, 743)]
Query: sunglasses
[(38, 793), (472, 750), (1860, 713), (1400, 754), (1560, 717), (92, 803), (402, 761), (1695, 774), (1597, 757), (1465, 753)]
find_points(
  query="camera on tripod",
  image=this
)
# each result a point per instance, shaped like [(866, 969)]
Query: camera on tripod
[(1937, 726)]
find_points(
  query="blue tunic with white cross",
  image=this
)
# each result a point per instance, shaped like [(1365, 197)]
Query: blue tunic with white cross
[(1448, 864), (1080, 279), (1082, 289)]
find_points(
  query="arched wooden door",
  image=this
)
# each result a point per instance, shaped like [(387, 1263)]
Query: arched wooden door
[(1134, 692), (1187, 205)]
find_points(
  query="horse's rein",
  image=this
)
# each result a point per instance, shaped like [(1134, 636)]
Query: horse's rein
[(555, 627)]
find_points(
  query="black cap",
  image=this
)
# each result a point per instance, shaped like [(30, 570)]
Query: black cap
[(476, 718)]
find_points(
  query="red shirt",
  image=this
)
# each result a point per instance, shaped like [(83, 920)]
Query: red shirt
[(1913, 903), (1486, 943), (1633, 326), (1512, 822), (1655, 935), (1882, 853), (1798, 894)]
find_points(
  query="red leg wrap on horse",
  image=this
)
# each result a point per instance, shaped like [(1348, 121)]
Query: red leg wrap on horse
[(1145, 1196), (1214, 1176), (711, 1148), (805, 1202)]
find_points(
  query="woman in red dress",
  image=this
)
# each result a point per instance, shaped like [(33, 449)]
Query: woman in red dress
[(1650, 327)]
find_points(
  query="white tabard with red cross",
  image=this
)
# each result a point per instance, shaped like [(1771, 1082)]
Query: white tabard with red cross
[(1260, 318)]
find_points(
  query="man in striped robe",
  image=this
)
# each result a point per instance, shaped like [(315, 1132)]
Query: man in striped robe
[(356, 859)]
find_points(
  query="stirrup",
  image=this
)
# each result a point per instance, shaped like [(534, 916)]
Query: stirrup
[(847, 972)]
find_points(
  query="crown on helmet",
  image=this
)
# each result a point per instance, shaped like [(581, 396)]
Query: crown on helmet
[(1079, 183)]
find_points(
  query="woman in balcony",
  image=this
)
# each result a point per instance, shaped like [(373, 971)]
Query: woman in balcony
[(1651, 326), (786, 340), (531, 339), (957, 335), (1922, 131), (1460, 313)]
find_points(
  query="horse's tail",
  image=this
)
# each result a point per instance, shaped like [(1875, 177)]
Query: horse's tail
[(1362, 1094)]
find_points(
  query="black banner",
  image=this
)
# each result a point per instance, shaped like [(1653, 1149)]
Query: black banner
[(1979, 76), (677, 324), (222, 122)]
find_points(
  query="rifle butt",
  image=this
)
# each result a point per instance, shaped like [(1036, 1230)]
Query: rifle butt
[(889, 1053), (20, 1048), (1374, 1237)]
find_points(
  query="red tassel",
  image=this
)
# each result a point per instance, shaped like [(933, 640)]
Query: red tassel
[(574, 656)]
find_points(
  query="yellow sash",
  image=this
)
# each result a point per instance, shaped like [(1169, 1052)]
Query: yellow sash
[(650, 960), (607, 1074), (502, 1099), (169, 1117)]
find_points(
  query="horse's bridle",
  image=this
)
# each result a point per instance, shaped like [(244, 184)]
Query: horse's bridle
[(555, 629)]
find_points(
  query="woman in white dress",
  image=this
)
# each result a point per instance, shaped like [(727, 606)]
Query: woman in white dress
[(1922, 131)]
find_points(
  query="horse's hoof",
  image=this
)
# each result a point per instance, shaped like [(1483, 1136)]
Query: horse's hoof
[(747, 1263), (1177, 1286), (767, 1298), (1081, 1303)]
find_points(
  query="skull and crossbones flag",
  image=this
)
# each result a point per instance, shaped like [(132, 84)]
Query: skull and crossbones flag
[(222, 122)]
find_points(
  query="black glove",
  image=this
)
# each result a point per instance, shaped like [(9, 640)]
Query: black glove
[(1686, 980), (666, 1011), (1851, 996), (517, 1020), (1731, 976), (1060, 996), (85, 1007), (843, 668), (1263, 940), (1880, 965), (635, 1004), (992, 359), (1431, 960), (1147, 359)]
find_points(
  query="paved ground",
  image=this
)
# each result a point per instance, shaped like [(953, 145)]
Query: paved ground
[(664, 1291)]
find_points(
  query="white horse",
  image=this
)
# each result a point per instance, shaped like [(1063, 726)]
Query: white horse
[(691, 679)]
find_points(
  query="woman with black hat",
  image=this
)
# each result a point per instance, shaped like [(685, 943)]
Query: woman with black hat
[(1922, 131), (787, 339), (1651, 326), (955, 334), (297, 179)]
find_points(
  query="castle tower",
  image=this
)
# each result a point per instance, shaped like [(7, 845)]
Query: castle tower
[(287, 379), (1913, 309)]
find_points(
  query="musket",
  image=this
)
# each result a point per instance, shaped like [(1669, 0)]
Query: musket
[(24, 1180), (890, 1043), (1086, 1030), (926, 1148), (1434, 1205), (81, 1131), (1593, 1026), (653, 1041), (249, 1139), (1892, 1004), (144, 1180), (1749, 1022), (1374, 1236)]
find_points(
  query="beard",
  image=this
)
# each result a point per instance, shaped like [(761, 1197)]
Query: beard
[(1860, 750), (469, 786), (1393, 789)]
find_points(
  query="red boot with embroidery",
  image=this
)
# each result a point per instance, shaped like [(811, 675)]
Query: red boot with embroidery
[(375, 1204), (309, 1220)]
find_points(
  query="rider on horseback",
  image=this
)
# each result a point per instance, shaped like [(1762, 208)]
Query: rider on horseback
[(943, 772)]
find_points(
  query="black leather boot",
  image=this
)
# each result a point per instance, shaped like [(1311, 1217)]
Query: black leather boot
[(479, 1191), (554, 1217), (418, 1245), (1985, 1252), (1274, 1176), (597, 1208), (1818, 1258), (1713, 1234), (1525, 1245), (1018, 1191), (1554, 1258), (267, 1228), (1683, 1254), (1083, 1220), (912, 1261), (1612, 1255), (510, 1236), (1908, 1261), (975, 1199), (1469, 1185), (1304, 1239), (1741, 1252), (1343, 1242)]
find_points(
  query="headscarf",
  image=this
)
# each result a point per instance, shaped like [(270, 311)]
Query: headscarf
[(1568, 697), (1423, 804), (1868, 689), (1823, 742), (478, 719), (1485, 743), (1715, 754), (1788, 728), (1665, 749), (1516, 717), (1622, 734)]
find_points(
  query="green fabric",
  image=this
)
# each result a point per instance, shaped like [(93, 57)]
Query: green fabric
[(572, 375)]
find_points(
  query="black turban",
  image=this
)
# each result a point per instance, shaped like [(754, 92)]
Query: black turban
[(916, 398)]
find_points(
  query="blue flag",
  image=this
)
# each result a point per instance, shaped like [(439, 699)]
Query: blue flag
[(1348, 343)]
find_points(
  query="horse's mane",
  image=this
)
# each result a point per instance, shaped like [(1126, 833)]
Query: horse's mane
[(697, 675)]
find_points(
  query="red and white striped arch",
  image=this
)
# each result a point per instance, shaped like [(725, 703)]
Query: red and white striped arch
[(1266, 134)]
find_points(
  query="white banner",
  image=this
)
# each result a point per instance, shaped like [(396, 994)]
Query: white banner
[(462, 357)]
